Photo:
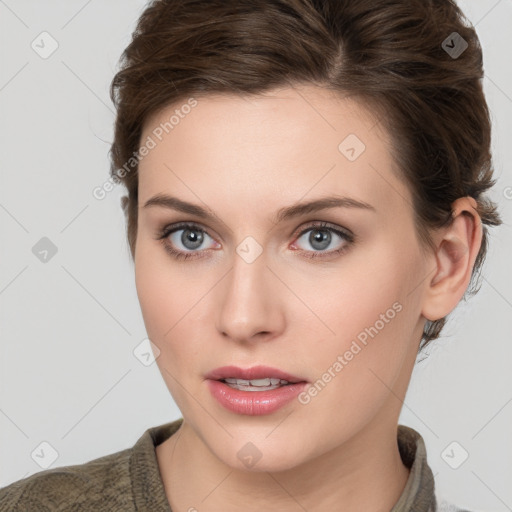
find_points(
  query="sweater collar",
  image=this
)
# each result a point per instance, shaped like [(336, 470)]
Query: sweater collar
[(418, 493), (149, 494)]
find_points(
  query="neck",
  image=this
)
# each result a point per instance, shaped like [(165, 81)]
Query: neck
[(364, 473)]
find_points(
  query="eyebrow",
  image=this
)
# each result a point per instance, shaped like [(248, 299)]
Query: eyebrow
[(286, 213)]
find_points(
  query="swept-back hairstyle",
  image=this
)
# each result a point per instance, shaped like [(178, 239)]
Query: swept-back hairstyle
[(406, 60)]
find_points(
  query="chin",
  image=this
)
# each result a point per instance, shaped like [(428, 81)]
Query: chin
[(259, 453)]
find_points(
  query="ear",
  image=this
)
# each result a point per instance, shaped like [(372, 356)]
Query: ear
[(457, 248)]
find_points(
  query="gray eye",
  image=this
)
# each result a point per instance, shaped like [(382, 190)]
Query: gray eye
[(318, 238), (191, 238)]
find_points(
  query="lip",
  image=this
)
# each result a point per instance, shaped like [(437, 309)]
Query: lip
[(253, 403), (255, 372)]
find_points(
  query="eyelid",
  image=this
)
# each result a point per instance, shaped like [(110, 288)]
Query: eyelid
[(324, 225)]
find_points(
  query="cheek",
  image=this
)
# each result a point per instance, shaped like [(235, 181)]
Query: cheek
[(365, 286), (172, 299), (369, 308), (153, 292), (166, 299)]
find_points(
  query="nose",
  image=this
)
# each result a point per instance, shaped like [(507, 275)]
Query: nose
[(250, 303)]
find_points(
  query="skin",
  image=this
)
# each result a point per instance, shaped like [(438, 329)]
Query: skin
[(244, 159)]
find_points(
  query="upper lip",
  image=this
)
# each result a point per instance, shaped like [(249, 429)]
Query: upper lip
[(255, 372)]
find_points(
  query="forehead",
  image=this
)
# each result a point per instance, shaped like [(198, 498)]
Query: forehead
[(270, 149), (279, 116)]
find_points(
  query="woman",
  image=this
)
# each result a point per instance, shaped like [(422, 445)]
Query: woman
[(305, 207)]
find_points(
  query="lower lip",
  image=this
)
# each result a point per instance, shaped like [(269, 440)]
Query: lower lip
[(254, 403)]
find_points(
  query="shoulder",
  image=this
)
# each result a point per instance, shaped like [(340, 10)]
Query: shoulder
[(126, 480), (104, 481)]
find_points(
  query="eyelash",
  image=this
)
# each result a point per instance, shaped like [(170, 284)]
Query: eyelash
[(320, 226)]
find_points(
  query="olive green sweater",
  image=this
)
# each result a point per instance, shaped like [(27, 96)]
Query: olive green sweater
[(130, 481)]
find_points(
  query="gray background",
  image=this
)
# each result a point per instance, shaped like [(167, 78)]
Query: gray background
[(69, 326)]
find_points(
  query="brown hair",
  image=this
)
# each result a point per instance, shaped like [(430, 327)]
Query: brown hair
[(393, 54)]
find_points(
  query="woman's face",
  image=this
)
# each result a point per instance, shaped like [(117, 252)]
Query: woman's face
[(338, 306)]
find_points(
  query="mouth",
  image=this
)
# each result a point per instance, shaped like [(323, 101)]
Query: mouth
[(265, 384), (253, 391), (256, 377)]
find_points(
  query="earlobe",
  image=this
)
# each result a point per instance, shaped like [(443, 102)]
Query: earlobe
[(455, 256)]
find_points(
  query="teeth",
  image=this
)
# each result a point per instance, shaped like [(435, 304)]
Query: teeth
[(251, 385), (240, 382)]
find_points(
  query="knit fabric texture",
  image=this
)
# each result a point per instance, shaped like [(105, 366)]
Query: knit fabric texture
[(130, 481)]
